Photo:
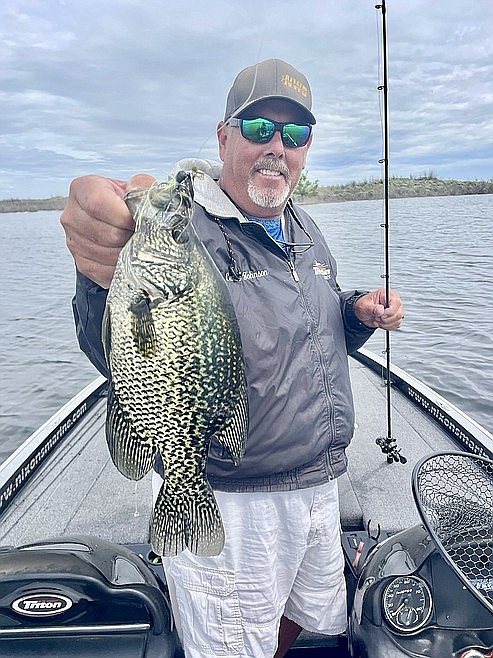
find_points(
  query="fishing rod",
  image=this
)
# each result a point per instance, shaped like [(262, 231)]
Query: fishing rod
[(388, 443)]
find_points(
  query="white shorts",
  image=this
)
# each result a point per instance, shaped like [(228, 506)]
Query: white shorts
[(282, 556)]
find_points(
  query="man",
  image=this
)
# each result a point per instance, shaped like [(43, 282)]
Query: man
[(281, 569)]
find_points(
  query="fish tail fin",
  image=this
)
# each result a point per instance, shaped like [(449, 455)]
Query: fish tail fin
[(190, 520)]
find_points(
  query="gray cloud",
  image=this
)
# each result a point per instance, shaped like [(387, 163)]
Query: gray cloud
[(124, 86)]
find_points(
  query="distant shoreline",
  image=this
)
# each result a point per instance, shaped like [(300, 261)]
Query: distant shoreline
[(356, 191), (399, 188), (32, 205)]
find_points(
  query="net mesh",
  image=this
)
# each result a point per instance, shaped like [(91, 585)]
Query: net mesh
[(454, 493)]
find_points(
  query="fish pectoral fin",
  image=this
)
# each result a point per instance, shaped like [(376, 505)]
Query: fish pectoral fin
[(132, 456), (142, 325), (232, 432), (190, 520)]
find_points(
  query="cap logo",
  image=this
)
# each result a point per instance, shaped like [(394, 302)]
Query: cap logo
[(293, 83)]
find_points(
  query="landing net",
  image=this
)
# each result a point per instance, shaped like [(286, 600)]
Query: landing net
[(454, 495)]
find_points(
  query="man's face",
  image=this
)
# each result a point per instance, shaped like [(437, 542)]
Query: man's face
[(261, 177)]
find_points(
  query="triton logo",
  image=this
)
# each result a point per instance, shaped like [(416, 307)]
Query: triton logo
[(42, 605)]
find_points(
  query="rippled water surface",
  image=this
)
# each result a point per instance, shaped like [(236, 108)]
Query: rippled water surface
[(441, 264), (41, 364)]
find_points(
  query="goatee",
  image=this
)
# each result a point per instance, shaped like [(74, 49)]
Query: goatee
[(269, 197)]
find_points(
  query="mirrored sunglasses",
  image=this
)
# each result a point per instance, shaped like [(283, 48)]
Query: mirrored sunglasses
[(261, 131)]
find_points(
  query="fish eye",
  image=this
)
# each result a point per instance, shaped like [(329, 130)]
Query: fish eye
[(180, 235)]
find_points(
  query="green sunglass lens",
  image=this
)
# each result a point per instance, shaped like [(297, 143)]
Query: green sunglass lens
[(258, 130), (294, 135), (261, 131)]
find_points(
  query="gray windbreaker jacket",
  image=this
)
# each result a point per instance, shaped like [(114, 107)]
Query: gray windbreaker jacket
[(296, 328)]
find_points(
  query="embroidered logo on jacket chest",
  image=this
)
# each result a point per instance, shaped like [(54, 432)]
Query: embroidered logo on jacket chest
[(322, 269), (248, 275)]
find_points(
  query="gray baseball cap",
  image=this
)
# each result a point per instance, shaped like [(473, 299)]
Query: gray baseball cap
[(272, 78)]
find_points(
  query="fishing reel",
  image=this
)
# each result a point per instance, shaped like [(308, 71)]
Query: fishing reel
[(389, 447)]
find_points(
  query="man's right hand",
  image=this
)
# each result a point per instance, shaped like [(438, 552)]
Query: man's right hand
[(98, 224)]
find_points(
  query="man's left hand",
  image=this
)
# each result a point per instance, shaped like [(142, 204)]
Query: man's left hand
[(372, 311)]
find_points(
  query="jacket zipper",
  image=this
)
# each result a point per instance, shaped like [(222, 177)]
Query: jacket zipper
[(318, 347), (294, 273), (314, 336)]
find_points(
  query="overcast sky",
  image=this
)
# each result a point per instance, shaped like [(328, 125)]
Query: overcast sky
[(121, 86)]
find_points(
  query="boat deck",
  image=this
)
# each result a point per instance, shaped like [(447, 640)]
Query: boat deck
[(79, 491)]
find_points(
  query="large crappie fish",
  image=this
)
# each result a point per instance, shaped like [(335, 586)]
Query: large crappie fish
[(176, 367)]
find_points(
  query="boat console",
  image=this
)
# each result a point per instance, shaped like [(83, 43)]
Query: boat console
[(428, 591), (80, 597), (424, 591)]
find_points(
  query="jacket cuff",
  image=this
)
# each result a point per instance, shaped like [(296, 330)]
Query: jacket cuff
[(355, 331), (88, 308), (350, 318)]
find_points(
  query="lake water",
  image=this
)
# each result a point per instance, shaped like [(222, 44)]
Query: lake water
[(441, 264)]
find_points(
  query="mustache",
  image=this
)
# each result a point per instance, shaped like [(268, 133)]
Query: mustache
[(273, 164)]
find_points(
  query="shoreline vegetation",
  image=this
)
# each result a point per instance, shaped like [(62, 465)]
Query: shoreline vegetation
[(33, 205), (310, 192), (399, 188)]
